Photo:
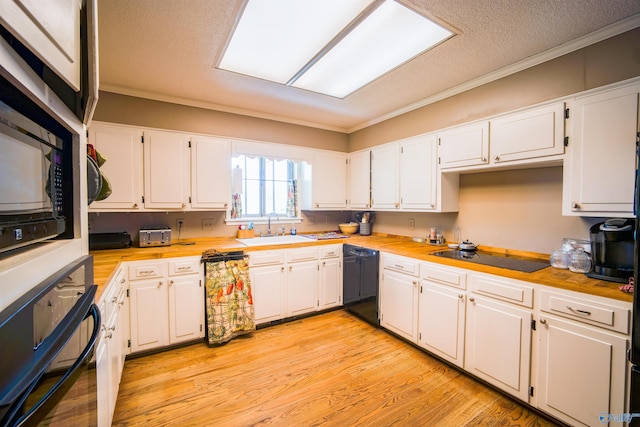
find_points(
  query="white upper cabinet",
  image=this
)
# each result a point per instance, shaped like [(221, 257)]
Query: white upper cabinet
[(385, 179), (329, 189), (51, 30), (166, 170), (599, 174), (122, 148), (418, 172), (360, 180), (530, 134), (210, 172), (466, 145)]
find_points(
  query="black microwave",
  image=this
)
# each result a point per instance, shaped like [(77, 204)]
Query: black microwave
[(36, 176)]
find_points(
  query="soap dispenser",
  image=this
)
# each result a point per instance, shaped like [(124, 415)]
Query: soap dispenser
[(293, 229)]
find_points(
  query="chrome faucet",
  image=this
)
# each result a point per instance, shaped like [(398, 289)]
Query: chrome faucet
[(269, 223)]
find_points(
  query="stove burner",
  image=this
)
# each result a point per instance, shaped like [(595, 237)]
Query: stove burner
[(510, 262)]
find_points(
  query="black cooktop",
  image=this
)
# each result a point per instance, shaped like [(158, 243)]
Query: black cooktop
[(510, 262)]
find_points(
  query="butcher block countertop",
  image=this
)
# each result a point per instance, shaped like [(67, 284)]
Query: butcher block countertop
[(106, 261)]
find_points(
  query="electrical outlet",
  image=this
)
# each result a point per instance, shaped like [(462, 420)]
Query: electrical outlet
[(180, 224), (412, 223), (207, 224)]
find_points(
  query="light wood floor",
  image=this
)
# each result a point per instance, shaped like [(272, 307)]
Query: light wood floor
[(328, 370)]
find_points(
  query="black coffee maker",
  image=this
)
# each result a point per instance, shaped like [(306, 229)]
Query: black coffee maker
[(612, 244)]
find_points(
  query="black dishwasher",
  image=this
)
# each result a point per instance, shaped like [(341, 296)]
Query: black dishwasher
[(360, 282)]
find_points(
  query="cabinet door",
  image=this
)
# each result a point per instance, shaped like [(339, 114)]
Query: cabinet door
[(498, 345), (329, 177), (122, 147), (385, 188), (186, 308), (399, 304), (581, 372), (418, 173), (268, 285), (166, 170), (103, 380), (149, 307), (441, 320), (466, 145), (602, 154), (210, 173), (51, 30), (330, 283), (533, 133), (360, 180), (301, 287)]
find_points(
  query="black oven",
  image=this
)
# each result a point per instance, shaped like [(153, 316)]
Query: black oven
[(47, 341), (36, 176)]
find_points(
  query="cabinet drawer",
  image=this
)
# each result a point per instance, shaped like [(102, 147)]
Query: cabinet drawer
[(405, 265), (504, 290), (302, 254), (593, 313), (146, 270), (444, 276), (266, 258), (186, 266), (330, 252)]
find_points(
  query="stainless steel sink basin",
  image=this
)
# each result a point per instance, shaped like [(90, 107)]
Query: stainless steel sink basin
[(274, 240)]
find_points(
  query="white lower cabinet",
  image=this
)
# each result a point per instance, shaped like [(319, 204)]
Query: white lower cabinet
[(399, 296), (330, 277), (442, 312), (166, 302), (498, 336), (582, 369), (292, 282), (112, 346)]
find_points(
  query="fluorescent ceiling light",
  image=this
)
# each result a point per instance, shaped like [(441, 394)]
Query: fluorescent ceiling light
[(328, 46)]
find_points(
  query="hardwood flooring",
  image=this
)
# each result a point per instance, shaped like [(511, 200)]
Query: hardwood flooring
[(328, 370)]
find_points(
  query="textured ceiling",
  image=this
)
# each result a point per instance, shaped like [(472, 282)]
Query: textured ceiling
[(167, 49)]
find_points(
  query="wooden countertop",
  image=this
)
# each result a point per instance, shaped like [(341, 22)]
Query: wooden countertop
[(106, 261)]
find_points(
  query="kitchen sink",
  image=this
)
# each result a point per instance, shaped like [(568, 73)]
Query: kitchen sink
[(274, 240)]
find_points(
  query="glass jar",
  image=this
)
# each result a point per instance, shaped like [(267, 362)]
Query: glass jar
[(579, 261), (559, 259)]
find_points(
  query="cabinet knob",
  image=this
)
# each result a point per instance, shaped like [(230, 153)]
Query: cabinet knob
[(290, 268), (109, 335), (122, 280), (483, 159), (114, 300), (497, 158), (575, 205), (170, 282), (160, 283), (543, 321), (472, 299), (226, 204), (135, 206), (414, 282), (460, 296), (282, 269), (184, 205)]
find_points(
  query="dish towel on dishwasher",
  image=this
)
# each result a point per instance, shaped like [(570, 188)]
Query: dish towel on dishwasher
[(228, 300)]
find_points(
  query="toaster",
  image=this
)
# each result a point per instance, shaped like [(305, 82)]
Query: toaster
[(155, 236)]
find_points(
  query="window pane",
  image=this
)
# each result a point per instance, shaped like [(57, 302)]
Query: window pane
[(252, 198), (252, 168), (280, 197)]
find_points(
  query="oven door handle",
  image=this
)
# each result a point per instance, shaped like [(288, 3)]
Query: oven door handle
[(40, 410)]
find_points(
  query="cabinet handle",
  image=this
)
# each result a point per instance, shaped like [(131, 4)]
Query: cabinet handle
[(398, 266), (543, 321), (112, 328), (109, 335), (184, 268), (114, 300), (578, 311), (472, 299), (145, 272)]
